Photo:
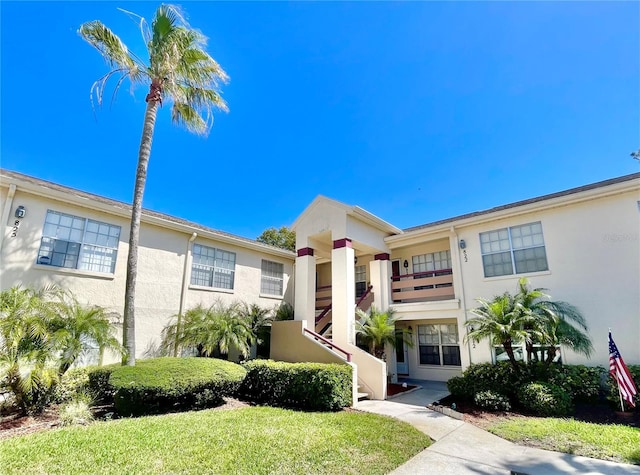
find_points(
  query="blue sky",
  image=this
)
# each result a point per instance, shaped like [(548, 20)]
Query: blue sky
[(415, 111)]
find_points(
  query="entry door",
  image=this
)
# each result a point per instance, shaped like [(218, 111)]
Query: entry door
[(402, 357)]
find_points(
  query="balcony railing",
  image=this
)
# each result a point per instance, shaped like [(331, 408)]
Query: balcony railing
[(423, 286)]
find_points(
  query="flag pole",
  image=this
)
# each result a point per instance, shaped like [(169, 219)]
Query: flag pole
[(618, 384)]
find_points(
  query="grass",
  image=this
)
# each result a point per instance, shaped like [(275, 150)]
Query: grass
[(609, 442), (252, 440)]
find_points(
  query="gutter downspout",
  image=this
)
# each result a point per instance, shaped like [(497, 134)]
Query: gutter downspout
[(463, 300), (7, 210), (183, 291)]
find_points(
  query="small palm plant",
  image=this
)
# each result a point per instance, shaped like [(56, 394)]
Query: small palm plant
[(378, 329), (27, 356), (208, 330), (259, 320), (77, 326)]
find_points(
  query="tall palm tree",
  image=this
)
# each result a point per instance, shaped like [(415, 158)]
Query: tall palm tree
[(377, 329), (179, 70)]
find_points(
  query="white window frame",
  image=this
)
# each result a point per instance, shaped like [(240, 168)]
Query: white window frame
[(510, 243), (272, 277), (432, 261), (360, 274), (215, 266), (423, 340), (96, 243)]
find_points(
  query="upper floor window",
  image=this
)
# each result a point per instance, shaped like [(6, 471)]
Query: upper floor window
[(78, 243), (433, 261), (514, 250), (272, 281), (213, 267), (361, 280)]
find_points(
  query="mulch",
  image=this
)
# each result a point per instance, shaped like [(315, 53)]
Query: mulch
[(397, 388), (595, 413)]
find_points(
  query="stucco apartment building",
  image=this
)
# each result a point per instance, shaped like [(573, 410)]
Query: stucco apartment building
[(581, 244)]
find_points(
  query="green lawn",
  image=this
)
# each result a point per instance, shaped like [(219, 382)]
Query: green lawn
[(253, 440), (610, 442)]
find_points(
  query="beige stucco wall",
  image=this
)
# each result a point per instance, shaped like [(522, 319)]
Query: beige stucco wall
[(593, 253), (161, 261)]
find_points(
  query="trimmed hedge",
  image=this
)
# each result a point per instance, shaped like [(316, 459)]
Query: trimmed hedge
[(99, 385), (581, 383), (311, 386), (161, 385), (545, 399)]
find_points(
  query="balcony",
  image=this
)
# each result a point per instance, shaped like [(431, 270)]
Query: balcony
[(423, 286)]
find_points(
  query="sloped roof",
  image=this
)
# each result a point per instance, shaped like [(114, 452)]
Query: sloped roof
[(77, 196), (538, 199)]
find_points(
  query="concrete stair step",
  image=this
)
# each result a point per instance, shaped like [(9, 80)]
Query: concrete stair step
[(362, 396)]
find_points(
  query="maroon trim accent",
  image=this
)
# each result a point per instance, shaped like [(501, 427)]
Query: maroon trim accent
[(305, 251), (340, 243), (382, 257), (329, 343)]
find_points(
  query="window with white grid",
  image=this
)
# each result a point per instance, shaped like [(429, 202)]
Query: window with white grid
[(361, 280), (438, 344), (272, 280), (212, 267), (78, 243), (432, 261), (514, 250)]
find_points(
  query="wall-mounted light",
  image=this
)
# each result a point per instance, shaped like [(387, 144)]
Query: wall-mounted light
[(463, 244), (21, 212), (355, 259), (406, 264)]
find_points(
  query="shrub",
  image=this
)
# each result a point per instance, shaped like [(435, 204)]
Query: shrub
[(312, 386), (99, 385), (73, 382), (582, 383), (77, 410), (166, 384), (492, 401), (544, 399), (614, 398), (486, 376)]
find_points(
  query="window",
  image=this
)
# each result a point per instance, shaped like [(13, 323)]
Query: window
[(430, 262), (361, 280), (78, 243), (272, 282), (438, 344), (514, 250), (212, 267)]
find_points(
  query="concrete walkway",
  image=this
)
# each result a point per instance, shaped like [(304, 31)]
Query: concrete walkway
[(462, 448)]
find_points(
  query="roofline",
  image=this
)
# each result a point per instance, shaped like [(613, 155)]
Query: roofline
[(89, 200), (356, 211), (581, 193)]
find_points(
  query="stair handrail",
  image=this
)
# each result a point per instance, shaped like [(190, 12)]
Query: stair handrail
[(326, 310), (364, 295), (317, 336)]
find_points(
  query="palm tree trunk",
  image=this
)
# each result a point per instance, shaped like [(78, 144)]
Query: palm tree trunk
[(512, 357), (129, 323)]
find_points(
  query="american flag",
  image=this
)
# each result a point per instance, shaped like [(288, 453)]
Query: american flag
[(621, 373)]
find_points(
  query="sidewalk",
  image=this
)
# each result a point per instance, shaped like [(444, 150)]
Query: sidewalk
[(462, 448)]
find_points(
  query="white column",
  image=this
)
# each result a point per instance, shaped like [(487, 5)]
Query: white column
[(380, 272), (343, 292), (305, 287)]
